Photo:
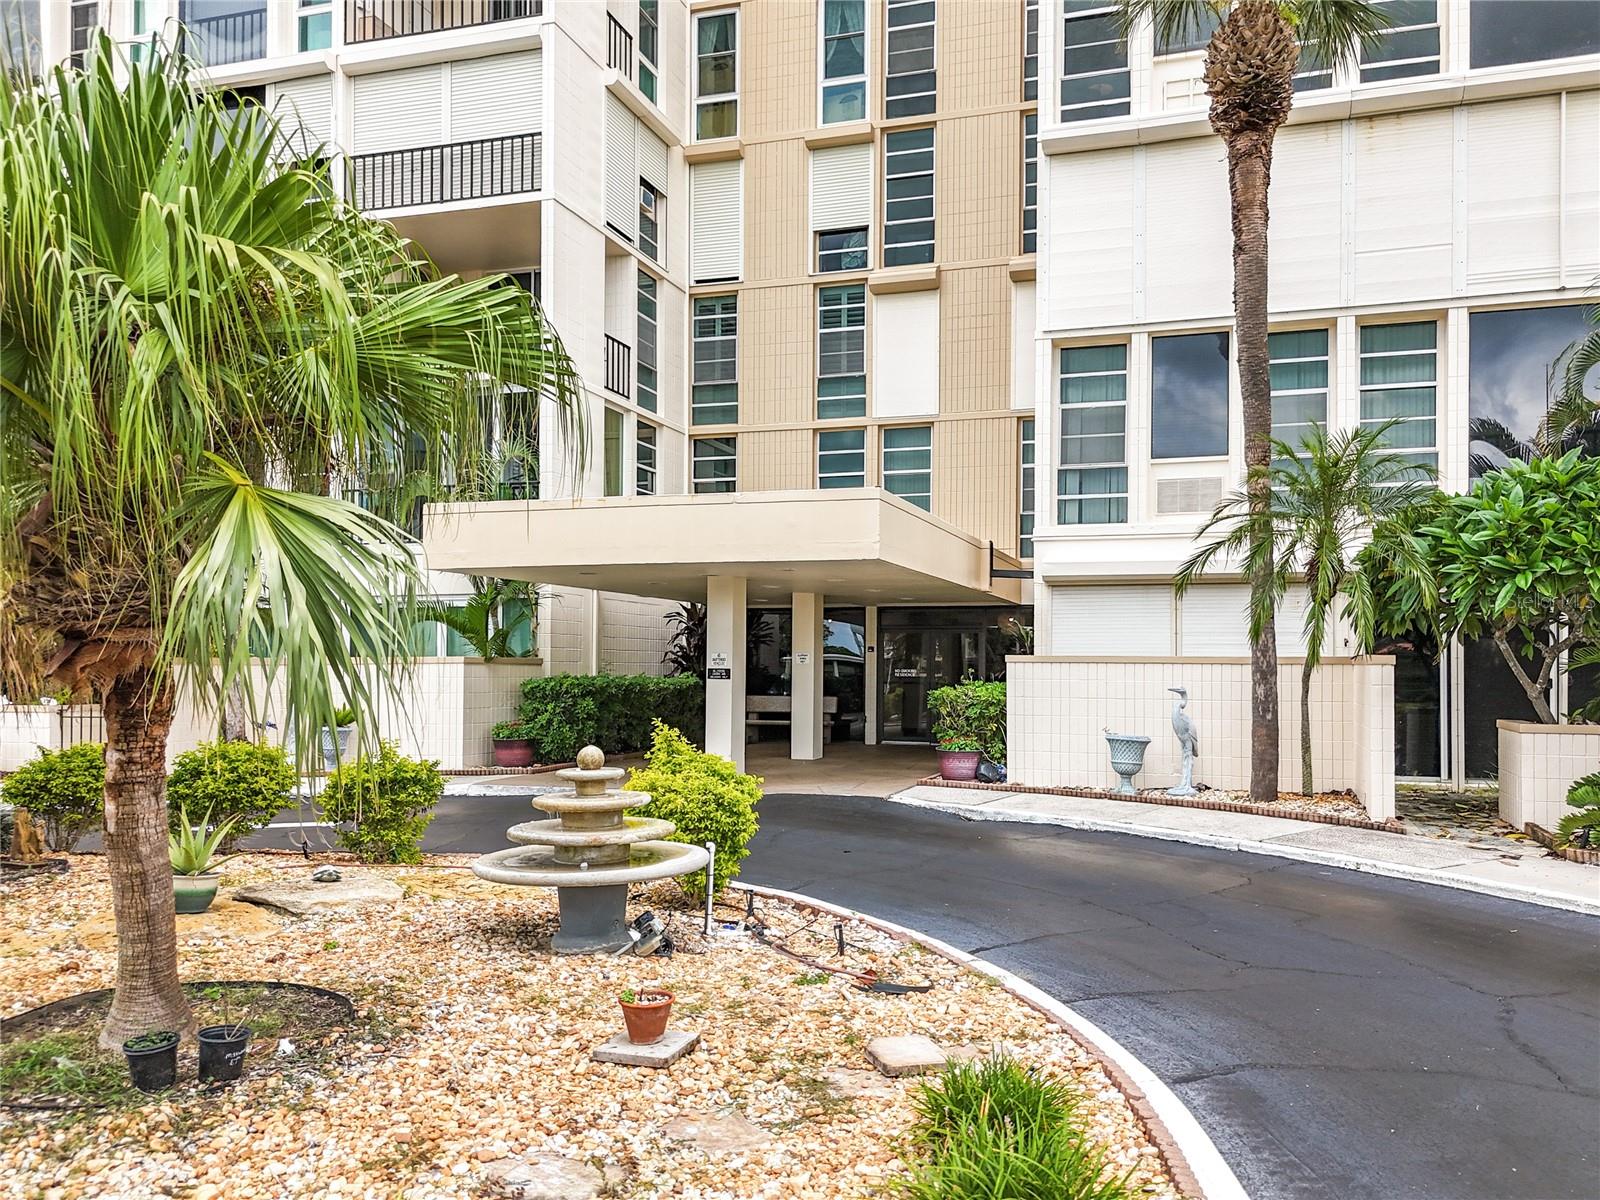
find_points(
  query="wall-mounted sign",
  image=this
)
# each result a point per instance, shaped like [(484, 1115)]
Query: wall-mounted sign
[(802, 658), (719, 658), (718, 673)]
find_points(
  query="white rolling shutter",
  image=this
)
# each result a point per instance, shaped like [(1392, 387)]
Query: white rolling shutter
[(841, 187), (398, 110), (652, 158), (1123, 621), (1214, 621), (622, 176), (305, 106), (716, 197), (495, 97)]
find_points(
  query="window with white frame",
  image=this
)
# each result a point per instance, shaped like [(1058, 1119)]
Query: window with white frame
[(842, 351), (716, 75), (83, 17), (1030, 182), (843, 87), (716, 464), (644, 359), (315, 24), (908, 464), (649, 46), (1515, 31), (842, 250), (651, 213), (1298, 365), (842, 458), (1400, 382), (1092, 476), (1408, 46), (1094, 64), (714, 399), (644, 459), (910, 79), (1199, 23), (908, 197), (1025, 517), (1030, 49), (1312, 71), (611, 456)]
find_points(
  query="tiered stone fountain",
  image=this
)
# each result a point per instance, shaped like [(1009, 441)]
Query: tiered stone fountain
[(590, 854)]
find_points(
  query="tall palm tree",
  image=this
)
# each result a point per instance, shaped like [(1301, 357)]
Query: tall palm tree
[(198, 342), (1326, 499), (1250, 65)]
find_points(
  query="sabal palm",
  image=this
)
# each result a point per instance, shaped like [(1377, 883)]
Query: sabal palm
[(183, 317), (1249, 73), (1326, 499)]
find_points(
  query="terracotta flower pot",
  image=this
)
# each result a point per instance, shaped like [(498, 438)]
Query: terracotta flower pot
[(513, 752), (959, 764), (647, 1020)]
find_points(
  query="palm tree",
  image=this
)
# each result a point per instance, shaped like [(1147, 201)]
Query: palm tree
[(198, 342), (1250, 66), (1325, 498), (1574, 414)]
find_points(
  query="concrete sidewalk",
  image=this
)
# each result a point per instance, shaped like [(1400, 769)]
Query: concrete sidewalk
[(1531, 876)]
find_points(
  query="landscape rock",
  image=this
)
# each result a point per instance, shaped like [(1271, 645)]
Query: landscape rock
[(543, 1177), (913, 1054), (719, 1132), (299, 896)]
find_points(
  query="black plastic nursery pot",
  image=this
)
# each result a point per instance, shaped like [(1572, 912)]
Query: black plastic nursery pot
[(222, 1050), (153, 1067)]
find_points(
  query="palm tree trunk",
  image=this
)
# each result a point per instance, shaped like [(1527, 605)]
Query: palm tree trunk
[(148, 996), (1305, 729), (1249, 173)]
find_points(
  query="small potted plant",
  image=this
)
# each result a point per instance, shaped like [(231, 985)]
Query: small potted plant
[(645, 1013), (193, 849), (152, 1060), (336, 741), (959, 758), (222, 1047), (512, 745)]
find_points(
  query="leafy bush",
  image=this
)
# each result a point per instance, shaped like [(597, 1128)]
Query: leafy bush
[(388, 803), (246, 782), (564, 713), (63, 789), (999, 1129), (510, 731), (1582, 828), (705, 797), (971, 716)]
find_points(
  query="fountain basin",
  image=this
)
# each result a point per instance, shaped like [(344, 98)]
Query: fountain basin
[(604, 802), (537, 866), (558, 833)]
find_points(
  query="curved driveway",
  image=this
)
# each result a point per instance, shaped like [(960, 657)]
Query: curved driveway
[(1339, 1035)]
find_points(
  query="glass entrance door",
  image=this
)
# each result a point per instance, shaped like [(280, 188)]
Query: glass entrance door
[(914, 662)]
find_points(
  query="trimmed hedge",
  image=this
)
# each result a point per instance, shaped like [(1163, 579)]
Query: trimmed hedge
[(386, 801), (65, 790), (561, 714), (248, 781)]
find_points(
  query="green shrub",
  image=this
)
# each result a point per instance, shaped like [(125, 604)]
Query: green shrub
[(510, 731), (971, 716), (1582, 828), (246, 781), (564, 713), (63, 789), (386, 801), (705, 797)]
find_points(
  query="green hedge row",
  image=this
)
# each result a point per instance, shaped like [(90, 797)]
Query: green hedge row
[(561, 714)]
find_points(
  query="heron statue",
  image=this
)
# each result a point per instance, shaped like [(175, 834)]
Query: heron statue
[(1188, 741)]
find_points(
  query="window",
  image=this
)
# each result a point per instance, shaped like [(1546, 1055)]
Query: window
[(844, 61), (1399, 380), (1312, 71), (1199, 24), (908, 464), (645, 381), (1092, 480), (842, 351), (909, 76), (1509, 357), (644, 460), (649, 46), (842, 458), (85, 15), (613, 453), (715, 394), (1410, 44), (842, 250), (908, 197), (651, 203), (716, 464), (1030, 182), (1025, 518), (1030, 49), (1299, 373), (20, 34), (316, 24), (1094, 64), (716, 77), (1514, 31), (1189, 396)]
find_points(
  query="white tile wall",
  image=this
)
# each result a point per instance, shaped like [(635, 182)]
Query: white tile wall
[(633, 634), (1538, 764)]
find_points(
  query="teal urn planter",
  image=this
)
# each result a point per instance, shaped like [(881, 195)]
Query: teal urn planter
[(1127, 759)]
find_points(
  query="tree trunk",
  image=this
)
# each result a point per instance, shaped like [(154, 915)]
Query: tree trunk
[(1249, 173), (1532, 688), (1305, 729), (236, 724), (148, 996)]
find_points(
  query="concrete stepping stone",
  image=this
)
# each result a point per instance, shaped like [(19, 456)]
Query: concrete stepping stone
[(543, 1177), (299, 895), (911, 1054), (853, 1083), (719, 1132), (674, 1044)]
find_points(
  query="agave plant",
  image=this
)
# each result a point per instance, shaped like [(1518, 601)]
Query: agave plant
[(193, 848)]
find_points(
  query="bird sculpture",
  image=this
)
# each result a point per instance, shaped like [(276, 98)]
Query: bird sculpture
[(1188, 741)]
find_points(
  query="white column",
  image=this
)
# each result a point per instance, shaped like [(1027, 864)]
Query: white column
[(725, 652), (871, 737), (805, 674)]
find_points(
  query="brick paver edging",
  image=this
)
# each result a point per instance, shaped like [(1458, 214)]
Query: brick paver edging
[(536, 769), (1162, 799), (1575, 854)]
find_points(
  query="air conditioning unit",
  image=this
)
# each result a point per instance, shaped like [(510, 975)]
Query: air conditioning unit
[(1193, 494)]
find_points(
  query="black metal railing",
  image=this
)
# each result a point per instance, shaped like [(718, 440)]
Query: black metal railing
[(375, 20), (620, 55), (502, 166), (226, 37), (81, 723), (619, 367)]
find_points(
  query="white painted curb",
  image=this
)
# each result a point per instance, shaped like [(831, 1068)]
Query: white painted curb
[(1325, 858), (1211, 1171)]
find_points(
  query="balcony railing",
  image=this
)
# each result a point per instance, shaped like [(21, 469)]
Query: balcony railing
[(619, 367), (620, 55), (375, 20), (225, 37), (502, 166)]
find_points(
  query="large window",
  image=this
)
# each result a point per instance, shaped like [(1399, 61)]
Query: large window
[(716, 79), (1092, 479), (651, 213), (715, 397), (644, 459), (612, 458), (909, 77), (842, 250), (1509, 356), (315, 24), (1299, 371), (1189, 396), (1399, 381), (1025, 519), (1030, 182), (1094, 63), (844, 61), (842, 351), (19, 36), (1030, 49), (1199, 24), (842, 458), (646, 385), (1516, 31), (908, 197), (649, 46), (1410, 44), (908, 464), (716, 464)]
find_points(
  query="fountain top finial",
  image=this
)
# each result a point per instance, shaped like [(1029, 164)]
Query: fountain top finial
[(591, 758)]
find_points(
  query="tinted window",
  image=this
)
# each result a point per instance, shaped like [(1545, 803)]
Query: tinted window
[(1517, 31), (1508, 372), (1189, 395)]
